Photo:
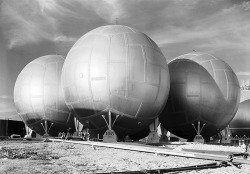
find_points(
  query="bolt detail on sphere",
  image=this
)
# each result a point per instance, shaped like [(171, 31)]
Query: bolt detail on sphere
[(204, 94), (118, 69), (39, 99)]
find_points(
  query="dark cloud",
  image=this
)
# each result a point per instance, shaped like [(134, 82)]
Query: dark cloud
[(30, 29)]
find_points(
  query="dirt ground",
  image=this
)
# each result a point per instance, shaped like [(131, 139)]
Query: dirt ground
[(60, 157)]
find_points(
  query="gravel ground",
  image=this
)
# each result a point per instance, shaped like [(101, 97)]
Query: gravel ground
[(48, 157)]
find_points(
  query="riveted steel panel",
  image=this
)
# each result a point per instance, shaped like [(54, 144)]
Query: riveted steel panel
[(203, 88), (118, 78), (127, 70), (136, 64), (118, 47), (38, 96)]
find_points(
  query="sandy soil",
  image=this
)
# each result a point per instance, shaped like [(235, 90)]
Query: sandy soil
[(51, 157)]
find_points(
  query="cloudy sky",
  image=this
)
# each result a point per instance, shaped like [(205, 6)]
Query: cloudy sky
[(33, 28)]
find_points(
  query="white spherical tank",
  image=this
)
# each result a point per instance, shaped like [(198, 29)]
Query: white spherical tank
[(118, 69), (39, 99)]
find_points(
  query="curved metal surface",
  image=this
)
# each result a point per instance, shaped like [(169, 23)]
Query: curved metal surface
[(203, 88), (38, 95), (115, 68), (240, 125)]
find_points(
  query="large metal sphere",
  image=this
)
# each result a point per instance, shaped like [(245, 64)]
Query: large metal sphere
[(120, 69), (240, 125), (38, 96), (203, 88)]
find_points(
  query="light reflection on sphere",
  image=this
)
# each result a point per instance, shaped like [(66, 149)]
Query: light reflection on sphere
[(120, 69), (38, 96)]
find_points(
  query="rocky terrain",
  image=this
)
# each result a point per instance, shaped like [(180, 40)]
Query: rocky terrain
[(51, 157)]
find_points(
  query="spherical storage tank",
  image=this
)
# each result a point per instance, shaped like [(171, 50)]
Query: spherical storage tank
[(38, 96), (240, 125), (118, 69), (203, 89)]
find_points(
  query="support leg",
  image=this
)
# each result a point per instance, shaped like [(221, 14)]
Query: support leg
[(225, 135), (164, 137), (153, 136), (28, 132), (45, 127), (198, 137)]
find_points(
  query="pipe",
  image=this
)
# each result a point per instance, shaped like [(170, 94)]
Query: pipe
[(158, 150), (178, 169)]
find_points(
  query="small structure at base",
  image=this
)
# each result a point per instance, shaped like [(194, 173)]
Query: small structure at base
[(28, 135), (198, 137), (79, 128), (153, 136), (164, 137), (109, 136), (225, 136), (46, 129)]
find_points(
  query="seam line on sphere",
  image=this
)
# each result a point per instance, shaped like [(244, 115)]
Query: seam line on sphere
[(151, 43), (159, 85), (145, 63), (213, 70), (103, 29), (227, 83), (127, 64), (130, 29), (58, 85), (89, 75), (108, 73), (213, 56), (195, 56), (138, 110), (61, 111), (68, 118), (43, 90)]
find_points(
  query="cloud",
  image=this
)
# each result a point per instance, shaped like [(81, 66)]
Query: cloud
[(5, 97), (243, 73), (110, 10), (63, 44), (28, 21), (215, 27), (32, 21), (221, 29), (24, 23), (205, 25), (30, 29), (63, 38)]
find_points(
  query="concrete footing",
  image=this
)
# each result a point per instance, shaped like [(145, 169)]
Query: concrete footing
[(110, 136), (153, 137), (198, 138), (164, 138)]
